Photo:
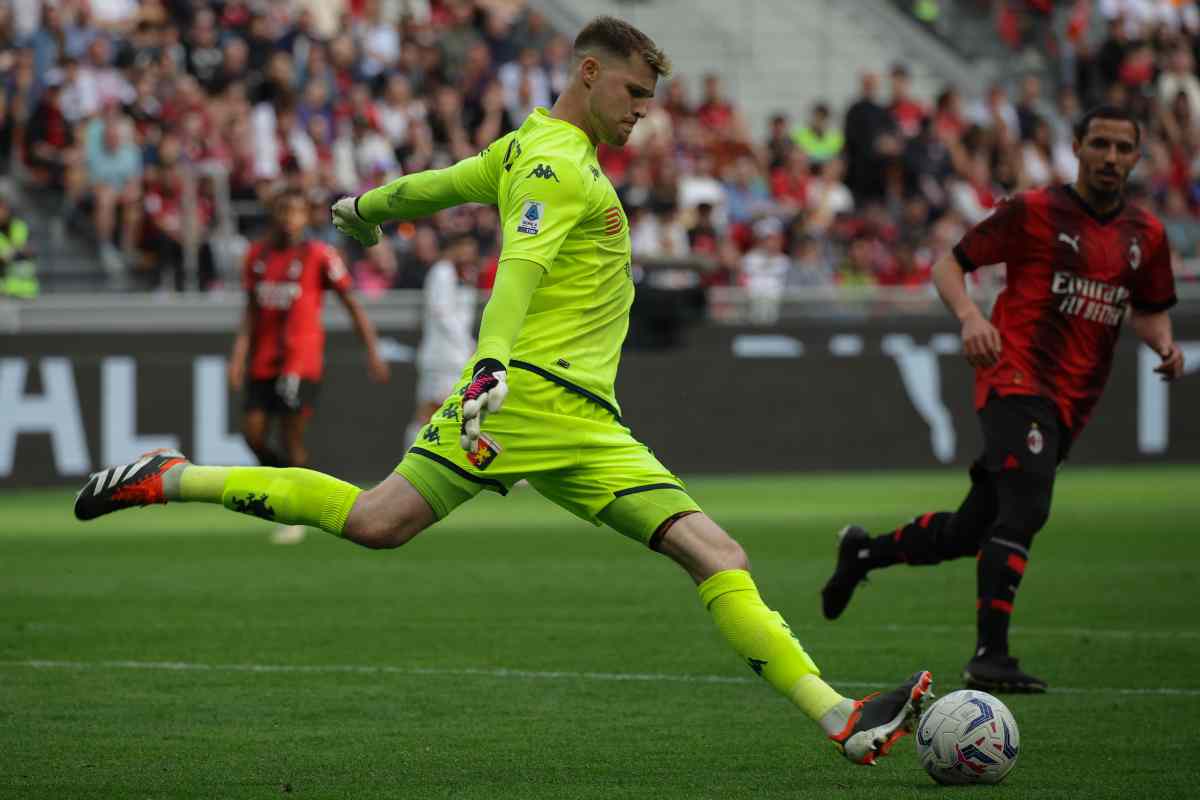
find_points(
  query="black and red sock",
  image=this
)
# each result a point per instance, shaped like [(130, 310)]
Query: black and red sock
[(999, 570), (919, 542)]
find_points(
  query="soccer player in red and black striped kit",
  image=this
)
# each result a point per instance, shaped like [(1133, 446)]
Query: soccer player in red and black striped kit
[(282, 337), (1077, 258)]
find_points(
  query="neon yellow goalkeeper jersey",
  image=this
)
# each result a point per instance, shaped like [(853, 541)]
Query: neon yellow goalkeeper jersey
[(559, 210)]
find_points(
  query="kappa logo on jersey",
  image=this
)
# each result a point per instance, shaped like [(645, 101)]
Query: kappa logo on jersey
[(1135, 255), (612, 221), (1072, 241), (431, 435), (253, 504), (595, 172), (485, 452), (543, 171), (531, 217), (1034, 439)]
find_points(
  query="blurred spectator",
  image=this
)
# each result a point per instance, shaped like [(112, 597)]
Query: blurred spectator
[(779, 142), (1180, 76), (906, 111), (746, 196), (113, 164), (51, 154), (870, 141), (203, 47), (858, 266), (379, 40), (809, 267), (414, 263), (995, 113), (174, 215), (702, 235), (972, 195), (789, 181), (1029, 107), (765, 269), (526, 84), (827, 196), (662, 236), (714, 111), (18, 270), (1183, 228), (700, 185), (904, 269), (819, 139)]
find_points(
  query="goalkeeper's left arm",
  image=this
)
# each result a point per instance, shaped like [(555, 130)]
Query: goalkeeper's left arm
[(413, 196)]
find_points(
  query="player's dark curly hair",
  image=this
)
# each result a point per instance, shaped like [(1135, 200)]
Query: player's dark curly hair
[(619, 38), (1107, 112)]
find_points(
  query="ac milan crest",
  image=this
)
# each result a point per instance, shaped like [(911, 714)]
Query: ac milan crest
[(1034, 439), (1135, 254)]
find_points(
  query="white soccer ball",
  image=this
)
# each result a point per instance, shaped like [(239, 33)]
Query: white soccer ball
[(967, 737)]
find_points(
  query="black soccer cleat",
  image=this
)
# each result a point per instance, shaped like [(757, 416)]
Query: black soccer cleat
[(1000, 674), (127, 485), (881, 720), (848, 573)]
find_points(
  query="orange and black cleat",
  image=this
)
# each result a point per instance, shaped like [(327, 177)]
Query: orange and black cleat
[(881, 720), (127, 485)]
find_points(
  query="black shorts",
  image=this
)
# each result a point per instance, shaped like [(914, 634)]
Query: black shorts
[(262, 396), (1022, 433)]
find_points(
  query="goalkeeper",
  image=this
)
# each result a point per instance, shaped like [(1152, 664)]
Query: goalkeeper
[(536, 401)]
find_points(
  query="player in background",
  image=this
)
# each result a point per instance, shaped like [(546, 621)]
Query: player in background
[(283, 339), (1079, 261), (447, 327), (538, 402)]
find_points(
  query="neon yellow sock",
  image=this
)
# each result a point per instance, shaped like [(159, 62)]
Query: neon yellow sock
[(291, 496), (763, 639)]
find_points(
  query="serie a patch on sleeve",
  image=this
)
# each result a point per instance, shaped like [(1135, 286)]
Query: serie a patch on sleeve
[(531, 217)]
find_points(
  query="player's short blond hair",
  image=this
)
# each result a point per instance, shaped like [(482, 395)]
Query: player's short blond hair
[(618, 37)]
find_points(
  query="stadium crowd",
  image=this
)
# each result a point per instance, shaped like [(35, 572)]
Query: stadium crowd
[(108, 102)]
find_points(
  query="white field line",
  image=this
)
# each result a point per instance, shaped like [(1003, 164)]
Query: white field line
[(502, 673)]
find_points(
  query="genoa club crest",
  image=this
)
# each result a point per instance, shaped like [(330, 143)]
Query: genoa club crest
[(1034, 439), (485, 452)]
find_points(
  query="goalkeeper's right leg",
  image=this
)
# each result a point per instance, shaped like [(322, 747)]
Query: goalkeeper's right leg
[(386, 516)]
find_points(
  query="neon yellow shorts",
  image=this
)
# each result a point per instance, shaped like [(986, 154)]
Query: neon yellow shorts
[(571, 449)]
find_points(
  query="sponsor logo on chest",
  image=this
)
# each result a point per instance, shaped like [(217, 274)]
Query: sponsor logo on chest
[(1092, 300), (277, 295)]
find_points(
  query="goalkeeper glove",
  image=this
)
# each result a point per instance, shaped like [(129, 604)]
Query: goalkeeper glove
[(484, 396), (347, 220)]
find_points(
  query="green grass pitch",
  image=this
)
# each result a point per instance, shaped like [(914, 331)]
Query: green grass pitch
[(514, 652)]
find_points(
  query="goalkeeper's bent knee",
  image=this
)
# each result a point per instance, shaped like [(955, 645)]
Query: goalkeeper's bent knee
[(291, 496)]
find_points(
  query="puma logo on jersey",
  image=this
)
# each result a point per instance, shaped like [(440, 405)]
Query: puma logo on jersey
[(1073, 241), (543, 171)]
